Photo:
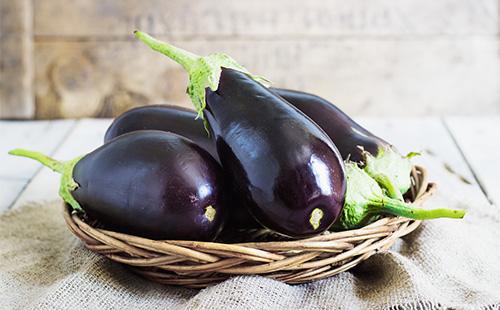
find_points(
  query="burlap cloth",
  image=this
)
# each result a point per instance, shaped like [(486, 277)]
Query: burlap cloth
[(444, 263)]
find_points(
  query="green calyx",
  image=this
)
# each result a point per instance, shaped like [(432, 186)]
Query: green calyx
[(391, 170), (365, 201), (65, 168), (203, 71)]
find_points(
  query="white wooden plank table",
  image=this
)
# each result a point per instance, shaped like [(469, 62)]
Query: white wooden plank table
[(479, 141), (450, 151)]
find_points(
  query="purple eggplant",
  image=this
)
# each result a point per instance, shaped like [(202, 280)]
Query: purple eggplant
[(380, 159), (148, 183), (183, 122), (286, 170), (349, 137), (173, 119)]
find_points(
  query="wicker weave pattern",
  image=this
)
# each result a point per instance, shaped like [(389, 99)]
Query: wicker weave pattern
[(199, 264)]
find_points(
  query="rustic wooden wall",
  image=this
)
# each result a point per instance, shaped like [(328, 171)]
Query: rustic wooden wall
[(16, 59), (379, 57)]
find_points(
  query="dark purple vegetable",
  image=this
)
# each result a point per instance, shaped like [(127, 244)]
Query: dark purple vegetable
[(148, 183), (173, 119), (381, 160), (343, 130), (354, 142), (285, 169), (183, 122)]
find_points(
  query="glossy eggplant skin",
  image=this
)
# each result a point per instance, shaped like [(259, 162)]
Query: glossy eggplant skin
[(152, 184), (284, 167), (174, 119), (343, 130)]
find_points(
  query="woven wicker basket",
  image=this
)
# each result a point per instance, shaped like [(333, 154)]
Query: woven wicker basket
[(199, 264)]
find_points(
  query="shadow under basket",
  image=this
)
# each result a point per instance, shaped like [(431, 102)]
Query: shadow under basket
[(197, 264)]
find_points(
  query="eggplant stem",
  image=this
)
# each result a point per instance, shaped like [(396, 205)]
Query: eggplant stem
[(45, 160), (179, 55), (204, 72), (399, 208), (388, 185), (65, 168)]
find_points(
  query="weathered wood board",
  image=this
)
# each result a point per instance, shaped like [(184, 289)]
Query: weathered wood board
[(478, 139), (41, 136), (263, 18), (363, 76), (381, 57), (16, 59), (9, 191)]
